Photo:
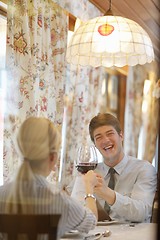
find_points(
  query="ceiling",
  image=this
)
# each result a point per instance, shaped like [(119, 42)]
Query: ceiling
[(145, 12)]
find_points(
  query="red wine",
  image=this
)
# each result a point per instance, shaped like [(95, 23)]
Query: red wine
[(85, 167)]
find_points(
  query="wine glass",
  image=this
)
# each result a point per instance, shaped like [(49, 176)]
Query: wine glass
[(86, 159)]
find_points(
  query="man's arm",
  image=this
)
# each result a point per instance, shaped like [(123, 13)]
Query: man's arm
[(136, 205)]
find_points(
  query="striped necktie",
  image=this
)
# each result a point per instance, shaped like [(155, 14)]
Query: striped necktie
[(111, 185)]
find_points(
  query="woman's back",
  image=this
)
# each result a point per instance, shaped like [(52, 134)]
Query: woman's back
[(30, 193), (45, 200)]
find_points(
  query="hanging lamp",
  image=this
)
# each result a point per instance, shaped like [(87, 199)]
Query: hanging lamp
[(110, 41)]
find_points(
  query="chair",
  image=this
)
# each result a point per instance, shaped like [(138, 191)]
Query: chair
[(154, 217), (31, 225)]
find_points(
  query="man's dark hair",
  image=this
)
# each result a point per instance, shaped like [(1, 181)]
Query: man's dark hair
[(103, 119)]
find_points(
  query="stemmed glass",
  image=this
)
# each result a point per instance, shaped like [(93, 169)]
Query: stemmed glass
[(86, 158)]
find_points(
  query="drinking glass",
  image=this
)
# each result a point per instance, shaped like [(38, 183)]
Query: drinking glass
[(86, 159)]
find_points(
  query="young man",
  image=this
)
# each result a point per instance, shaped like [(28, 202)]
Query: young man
[(135, 180)]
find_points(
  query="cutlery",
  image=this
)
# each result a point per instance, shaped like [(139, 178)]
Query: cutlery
[(96, 236), (93, 236)]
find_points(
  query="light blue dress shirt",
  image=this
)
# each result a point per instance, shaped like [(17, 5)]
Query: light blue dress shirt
[(135, 186)]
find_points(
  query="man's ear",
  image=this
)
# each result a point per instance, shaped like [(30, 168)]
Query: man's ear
[(121, 135)]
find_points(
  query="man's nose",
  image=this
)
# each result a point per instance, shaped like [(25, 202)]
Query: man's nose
[(105, 139)]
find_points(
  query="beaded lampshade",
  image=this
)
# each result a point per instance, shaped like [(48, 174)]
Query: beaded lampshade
[(110, 41)]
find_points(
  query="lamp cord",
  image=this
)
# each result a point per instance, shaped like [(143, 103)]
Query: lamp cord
[(109, 11), (110, 5)]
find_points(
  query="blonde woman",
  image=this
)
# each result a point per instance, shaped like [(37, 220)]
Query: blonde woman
[(38, 141)]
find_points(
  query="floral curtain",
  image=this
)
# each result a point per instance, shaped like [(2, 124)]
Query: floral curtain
[(40, 83), (137, 119), (3, 24), (82, 102), (36, 67), (133, 110), (151, 119), (37, 81)]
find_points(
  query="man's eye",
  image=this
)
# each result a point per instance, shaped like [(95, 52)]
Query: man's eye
[(110, 134), (97, 138)]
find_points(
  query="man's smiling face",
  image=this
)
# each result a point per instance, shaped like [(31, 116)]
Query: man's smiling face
[(109, 143)]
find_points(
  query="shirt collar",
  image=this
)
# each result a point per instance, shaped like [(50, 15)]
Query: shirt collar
[(103, 168), (121, 165)]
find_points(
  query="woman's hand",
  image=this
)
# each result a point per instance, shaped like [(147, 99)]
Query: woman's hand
[(91, 179)]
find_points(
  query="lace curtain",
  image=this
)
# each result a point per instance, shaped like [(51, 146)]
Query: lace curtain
[(3, 24), (39, 81), (82, 102), (36, 67), (137, 119)]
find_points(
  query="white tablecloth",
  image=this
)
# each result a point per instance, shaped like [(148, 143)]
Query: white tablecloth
[(124, 231)]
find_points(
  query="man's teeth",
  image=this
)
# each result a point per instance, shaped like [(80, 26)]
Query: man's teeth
[(106, 148)]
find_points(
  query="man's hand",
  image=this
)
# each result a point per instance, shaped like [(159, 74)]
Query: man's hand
[(104, 192)]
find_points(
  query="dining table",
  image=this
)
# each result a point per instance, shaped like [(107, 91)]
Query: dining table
[(117, 231)]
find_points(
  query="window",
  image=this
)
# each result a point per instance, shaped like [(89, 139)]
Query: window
[(3, 80)]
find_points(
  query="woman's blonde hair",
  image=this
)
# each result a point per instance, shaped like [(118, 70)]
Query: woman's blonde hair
[(37, 138)]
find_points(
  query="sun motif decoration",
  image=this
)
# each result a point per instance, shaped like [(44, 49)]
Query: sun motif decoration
[(105, 29)]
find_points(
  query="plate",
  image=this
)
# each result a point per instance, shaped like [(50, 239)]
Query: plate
[(72, 233), (106, 222)]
